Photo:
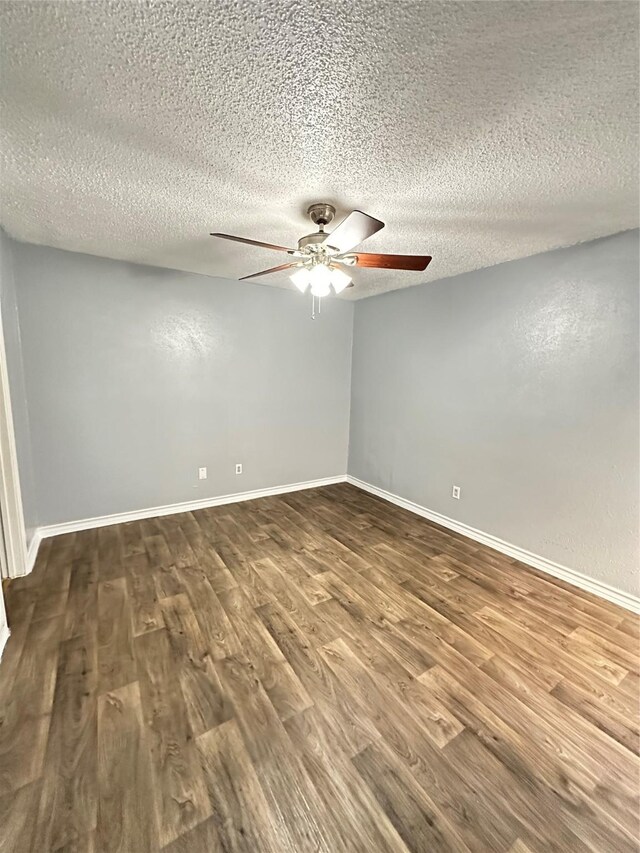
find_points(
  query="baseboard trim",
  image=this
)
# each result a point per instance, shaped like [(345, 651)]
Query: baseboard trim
[(171, 509), (602, 590), (582, 581), (4, 636), (32, 550)]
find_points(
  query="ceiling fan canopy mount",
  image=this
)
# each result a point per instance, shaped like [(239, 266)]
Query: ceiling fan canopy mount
[(321, 213)]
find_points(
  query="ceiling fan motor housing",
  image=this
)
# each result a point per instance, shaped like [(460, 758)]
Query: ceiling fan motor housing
[(312, 240)]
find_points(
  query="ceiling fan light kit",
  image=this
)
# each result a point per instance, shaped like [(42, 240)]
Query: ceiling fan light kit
[(320, 278), (320, 256)]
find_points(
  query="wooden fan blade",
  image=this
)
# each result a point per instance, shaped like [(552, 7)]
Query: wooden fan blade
[(392, 262), (266, 272), (252, 242), (353, 230)]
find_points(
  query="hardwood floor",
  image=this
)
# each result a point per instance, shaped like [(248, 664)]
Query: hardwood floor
[(319, 671)]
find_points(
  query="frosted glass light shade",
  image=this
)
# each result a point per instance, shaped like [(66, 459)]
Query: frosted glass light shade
[(320, 276), (339, 279), (301, 279)]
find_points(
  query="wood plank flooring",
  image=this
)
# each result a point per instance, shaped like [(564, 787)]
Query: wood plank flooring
[(319, 671)]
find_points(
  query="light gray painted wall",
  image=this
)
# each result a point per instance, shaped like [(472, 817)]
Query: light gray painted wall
[(520, 384), (138, 376), (19, 409)]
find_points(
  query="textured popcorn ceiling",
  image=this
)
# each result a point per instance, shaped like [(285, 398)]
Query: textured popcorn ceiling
[(479, 132)]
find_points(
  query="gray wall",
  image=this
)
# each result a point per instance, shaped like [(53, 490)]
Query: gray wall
[(518, 383), (138, 376), (13, 350)]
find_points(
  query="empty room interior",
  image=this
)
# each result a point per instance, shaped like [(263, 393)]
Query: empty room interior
[(319, 426)]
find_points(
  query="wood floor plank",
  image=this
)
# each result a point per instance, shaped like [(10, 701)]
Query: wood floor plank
[(81, 610), (616, 652), (69, 795), (352, 730), (142, 592), (85, 543), (292, 566), (435, 719), (20, 624), (222, 641), (303, 821), (524, 656), (203, 543), (470, 757), (586, 753), (520, 847), (283, 591), (16, 818), (162, 561), (399, 727), (203, 838), (110, 552), (579, 658), (23, 744), (255, 641), (410, 653), (364, 682), (564, 787), (126, 818), (116, 661), (409, 808), (131, 539), (630, 625), (549, 712), (24, 715), (630, 686), (319, 671), (206, 703), (53, 589), (362, 824), (179, 797), (609, 720), (241, 813), (286, 692), (182, 553)]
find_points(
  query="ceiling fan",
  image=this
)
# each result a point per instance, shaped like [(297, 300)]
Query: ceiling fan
[(319, 258)]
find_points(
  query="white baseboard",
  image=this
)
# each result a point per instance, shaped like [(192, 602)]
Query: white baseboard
[(4, 636), (603, 590), (32, 550), (170, 509), (30, 554)]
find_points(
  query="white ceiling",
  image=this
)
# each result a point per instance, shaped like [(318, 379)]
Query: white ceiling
[(478, 131)]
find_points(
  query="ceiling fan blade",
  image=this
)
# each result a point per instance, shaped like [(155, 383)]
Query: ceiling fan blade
[(392, 262), (353, 230), (252, 242), (266, 272)]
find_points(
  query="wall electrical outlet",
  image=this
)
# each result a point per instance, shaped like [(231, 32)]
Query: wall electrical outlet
[(239, 468), (455, 492), (202, 473)]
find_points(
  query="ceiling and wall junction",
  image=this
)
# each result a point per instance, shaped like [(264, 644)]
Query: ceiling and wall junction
[(479, 132)]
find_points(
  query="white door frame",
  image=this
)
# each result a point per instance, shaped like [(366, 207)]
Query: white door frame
[(15, 545)]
